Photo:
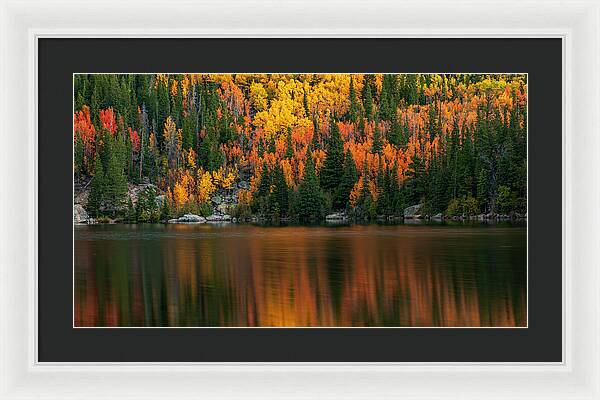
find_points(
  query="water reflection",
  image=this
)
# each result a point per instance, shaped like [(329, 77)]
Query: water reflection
[(204, 275)]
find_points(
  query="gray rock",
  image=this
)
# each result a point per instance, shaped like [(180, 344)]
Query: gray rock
[(217, 199), (412, 211), (173, 221), (80, 216), (218, 218), (191, 219), (437, 216), (336, 216)]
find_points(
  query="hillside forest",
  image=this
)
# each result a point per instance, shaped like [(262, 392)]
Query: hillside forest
[(273, 147)]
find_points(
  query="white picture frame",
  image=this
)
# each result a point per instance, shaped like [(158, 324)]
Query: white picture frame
[(22, 23)]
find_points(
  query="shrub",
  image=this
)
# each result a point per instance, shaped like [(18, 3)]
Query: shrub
[(464, 206), (504, 200), (205, 209), (470, 206)]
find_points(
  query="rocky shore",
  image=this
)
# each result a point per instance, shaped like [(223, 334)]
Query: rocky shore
[(223, 203)]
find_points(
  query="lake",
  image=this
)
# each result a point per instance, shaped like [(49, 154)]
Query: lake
[(327, 276)]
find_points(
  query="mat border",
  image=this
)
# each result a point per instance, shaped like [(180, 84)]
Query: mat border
[(577, 23)]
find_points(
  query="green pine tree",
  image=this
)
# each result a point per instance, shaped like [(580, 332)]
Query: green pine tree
[(280, 193), (334, 160), (348, 180), (388, 97), (311, 202), (354, 110), (368, 101), (289, 146), (165, 212)]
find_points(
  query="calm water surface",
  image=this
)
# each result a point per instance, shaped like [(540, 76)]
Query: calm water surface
[(243, 275)]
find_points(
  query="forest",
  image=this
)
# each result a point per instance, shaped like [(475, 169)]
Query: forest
[(282, 147)]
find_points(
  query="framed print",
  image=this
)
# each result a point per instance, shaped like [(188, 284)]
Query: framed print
[(340, 212)]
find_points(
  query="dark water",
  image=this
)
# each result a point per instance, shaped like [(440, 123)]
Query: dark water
[(241, 275)]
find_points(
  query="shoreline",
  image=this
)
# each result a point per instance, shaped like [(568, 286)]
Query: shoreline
[(325, 222)]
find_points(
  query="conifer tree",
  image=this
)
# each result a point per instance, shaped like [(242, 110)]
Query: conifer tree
[(368, 100), (349, 179), (334, 160), (280, 192), (115, 181), (310, 196), (388, 97), (289, 146), (354, 110), (264, 188), (165, 212)]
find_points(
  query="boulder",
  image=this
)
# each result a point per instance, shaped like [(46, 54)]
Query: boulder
[(437, 216), (80, 216), (412, 211), (191, 219), (340, 216), (218, 218), (216, 199), (173, 221)]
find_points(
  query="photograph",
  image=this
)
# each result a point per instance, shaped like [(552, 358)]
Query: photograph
[(304, 200)]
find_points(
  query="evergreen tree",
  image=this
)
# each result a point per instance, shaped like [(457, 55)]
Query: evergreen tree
[(367, 100), (289, 146), (115, 179), (165, 212), (162, 108), (354, 110), (280, 192), (264, 188), (209, 153), (395, 136), (348, 180), (334, 160), (416, 182), (310, 196), (388, 97)]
